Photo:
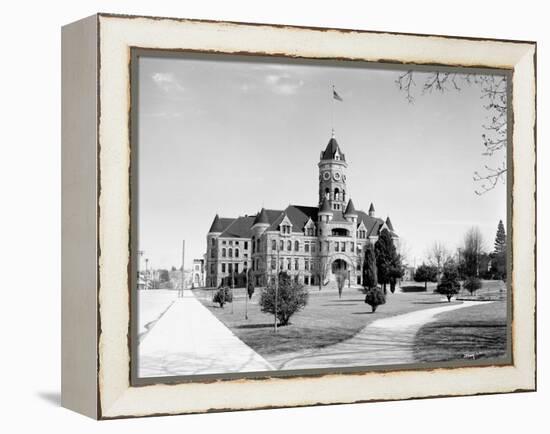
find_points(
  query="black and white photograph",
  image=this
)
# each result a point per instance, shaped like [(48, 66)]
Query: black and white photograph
[(275, 217), (304, 216)]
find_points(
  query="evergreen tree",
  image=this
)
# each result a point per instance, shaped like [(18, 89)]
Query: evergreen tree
[(370, 274), (250, 288), (449, 284), (500, 239), (395, 271), (498, 263), (373, 295), (285, 300), (385, 254)]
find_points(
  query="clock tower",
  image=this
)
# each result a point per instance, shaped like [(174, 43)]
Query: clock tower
[(332, 176)]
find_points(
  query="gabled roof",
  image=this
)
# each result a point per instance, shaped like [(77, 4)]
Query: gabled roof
[(338, 216), (373, 224), (388, 224), (240, 228), (298, 215), (331, 149), (219, 224)]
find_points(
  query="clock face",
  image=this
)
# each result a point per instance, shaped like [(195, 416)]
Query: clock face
[(326, 176), (337, 176)]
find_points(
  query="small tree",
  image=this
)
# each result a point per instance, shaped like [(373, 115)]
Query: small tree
[(438, 255), (340, 281), (250, 288), (425, 273), (290, 296), (164, 276), (471, 252), (472, 284), (449, 284), (374, 298), (223, 295)]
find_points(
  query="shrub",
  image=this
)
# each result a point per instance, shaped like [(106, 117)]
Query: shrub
[(374, 298), (413, 288), (223, 295), (449, 284), (291, 298), (472, 284)]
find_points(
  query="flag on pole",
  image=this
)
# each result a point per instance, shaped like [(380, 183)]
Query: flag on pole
[(335, 95)]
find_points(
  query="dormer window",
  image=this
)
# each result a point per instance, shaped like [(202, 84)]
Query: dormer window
[(285, 226)]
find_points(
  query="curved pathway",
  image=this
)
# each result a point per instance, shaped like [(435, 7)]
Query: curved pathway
[(387, 341)]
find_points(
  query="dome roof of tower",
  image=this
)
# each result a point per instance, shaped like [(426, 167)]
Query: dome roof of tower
[(331, 150), (261, 218), (325, 207), (350, 209)]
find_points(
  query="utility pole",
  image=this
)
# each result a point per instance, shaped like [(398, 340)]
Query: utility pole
[(246, 294), (146, 273), (277, 283), (180, 293), (232, 287), (140, 253)]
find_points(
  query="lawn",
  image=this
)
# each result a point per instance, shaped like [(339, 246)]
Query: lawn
[(473, 332), (326, 320)]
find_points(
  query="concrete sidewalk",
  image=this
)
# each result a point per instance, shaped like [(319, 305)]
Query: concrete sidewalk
[(188, 340), (387, 341)]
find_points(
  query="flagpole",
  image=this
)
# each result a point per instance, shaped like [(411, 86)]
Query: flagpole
[(332, 110)]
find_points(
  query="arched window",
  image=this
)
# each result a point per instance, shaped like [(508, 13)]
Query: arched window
[(296, 245), (289, 245), (236, 253), (224, 252), (282, 245), (273, 245), (336, 194), (230, 252), (327, 194)]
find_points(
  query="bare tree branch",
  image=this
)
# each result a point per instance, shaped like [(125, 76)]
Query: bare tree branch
[(494, 92), (405, 82)]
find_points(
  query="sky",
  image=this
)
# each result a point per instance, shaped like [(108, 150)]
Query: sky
[(233, 136)]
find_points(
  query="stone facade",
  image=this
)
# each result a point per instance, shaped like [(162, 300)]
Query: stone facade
[(198, 273), (311, 244)]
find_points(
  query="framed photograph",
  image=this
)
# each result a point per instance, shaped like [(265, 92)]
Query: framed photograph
[(262, 216)]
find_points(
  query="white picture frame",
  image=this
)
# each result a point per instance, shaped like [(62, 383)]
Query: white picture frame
[(96, 158)]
